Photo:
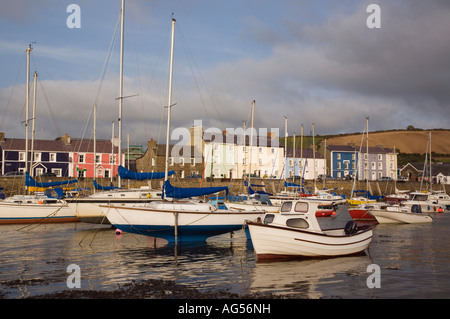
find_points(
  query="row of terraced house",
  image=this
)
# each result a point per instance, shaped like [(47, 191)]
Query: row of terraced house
[(218, 156)]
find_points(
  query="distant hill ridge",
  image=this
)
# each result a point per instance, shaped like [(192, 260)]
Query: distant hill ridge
[(406, 141)]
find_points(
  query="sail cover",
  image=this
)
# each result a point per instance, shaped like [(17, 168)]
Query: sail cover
[(104, 188), (29, 181), (127, 174), (180, 192)]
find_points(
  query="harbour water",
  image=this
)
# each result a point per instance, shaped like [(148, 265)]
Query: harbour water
[(413, 261)]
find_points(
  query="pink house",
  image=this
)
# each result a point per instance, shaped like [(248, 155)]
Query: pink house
[(82, 158)]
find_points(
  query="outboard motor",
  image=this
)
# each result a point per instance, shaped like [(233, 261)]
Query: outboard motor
[(351, 227)]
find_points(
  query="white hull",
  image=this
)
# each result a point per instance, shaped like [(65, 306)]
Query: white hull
[(278, 242), (250, 207), (29, 209), (393, 217), (88, 208), (177, 221)]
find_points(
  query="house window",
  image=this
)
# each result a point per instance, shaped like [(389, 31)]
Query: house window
[(22, 156), (81, 159), (373, 165), (171, 161), (338, 165), (37, 157), (112, 159), (107, 173), (379, 157), (57, 171), (97, 159), (52, 157), (192, 161), (181, 161), (380, 165), (338, 156)]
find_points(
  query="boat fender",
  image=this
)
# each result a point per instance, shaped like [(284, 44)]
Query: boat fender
[(351, 227)]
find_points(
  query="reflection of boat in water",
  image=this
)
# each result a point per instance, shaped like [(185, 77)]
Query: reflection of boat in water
[(302, 277), (295, 232)]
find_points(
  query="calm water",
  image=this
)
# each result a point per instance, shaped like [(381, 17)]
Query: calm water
[(414, 262)]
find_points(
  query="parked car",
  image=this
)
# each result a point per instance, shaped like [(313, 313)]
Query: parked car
[(322, 177), (195, 176), (14, 173), (385, 178), (402, 178), (48, 174)]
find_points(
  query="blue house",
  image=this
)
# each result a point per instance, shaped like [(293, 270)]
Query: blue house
[(342, 160)]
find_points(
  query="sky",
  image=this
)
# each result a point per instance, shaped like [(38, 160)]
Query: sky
[(313, 62)]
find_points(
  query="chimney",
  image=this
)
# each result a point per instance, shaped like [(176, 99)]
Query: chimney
[(2, 136), (66, 139)]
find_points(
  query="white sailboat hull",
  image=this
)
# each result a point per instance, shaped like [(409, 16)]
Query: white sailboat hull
[(23, 210), (177, 221)]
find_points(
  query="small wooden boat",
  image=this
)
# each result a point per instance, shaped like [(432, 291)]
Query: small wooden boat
[(295, 232)]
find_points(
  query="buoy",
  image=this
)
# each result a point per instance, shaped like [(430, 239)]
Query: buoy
[(440, 210), (118, 232)]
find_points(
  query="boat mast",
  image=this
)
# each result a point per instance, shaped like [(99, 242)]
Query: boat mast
[(32, 123), (169, 106), (314, 159), (251, 145), (27, 106), (122, 28), (431, 176), (367, 154), (95, 142), (285, 151)]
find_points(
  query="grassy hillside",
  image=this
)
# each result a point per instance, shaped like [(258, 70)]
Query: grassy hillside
[(411, 144)]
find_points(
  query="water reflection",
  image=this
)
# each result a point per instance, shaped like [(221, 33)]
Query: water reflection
[(414, 262), (302, 277)]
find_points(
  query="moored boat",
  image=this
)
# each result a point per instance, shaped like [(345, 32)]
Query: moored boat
[(295, 232), (395, 214), (178, 221), (20, 209)]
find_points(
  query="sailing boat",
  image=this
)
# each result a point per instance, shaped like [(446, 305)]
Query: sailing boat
[(20, 209), (87, 208), (177, 221)]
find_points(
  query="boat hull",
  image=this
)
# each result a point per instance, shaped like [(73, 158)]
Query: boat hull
[(391, 217), (175, 224), (360, 214), (35, 213), (272, 242)]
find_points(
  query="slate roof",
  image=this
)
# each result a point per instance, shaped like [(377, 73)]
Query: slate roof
[(57, 145)]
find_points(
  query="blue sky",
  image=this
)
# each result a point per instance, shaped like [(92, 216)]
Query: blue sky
[(312, 61)]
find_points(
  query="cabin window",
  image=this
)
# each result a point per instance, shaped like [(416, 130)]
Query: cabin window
[(268, 219), (297, 223), (301, 207), (286, 207)]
